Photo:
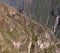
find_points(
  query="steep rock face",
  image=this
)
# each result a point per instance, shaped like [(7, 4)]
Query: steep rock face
[(18, 4), (45, 12), (20, 34)]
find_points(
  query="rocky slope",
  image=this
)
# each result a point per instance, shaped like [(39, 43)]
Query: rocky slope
[(20, 34)]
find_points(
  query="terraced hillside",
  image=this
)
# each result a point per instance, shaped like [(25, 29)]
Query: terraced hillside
[(20, 34)]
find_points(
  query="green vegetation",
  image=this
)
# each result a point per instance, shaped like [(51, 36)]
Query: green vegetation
[(9, 51), (11, 34), (6, 51), (34, 38), (0, 30), (45, 51), (9, 15), (49, 50)]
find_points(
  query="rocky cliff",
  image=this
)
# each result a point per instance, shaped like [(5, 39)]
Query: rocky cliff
[(20, 34)]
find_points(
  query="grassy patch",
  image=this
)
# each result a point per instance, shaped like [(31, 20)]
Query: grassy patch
[(34, 38), (9, 15), (9, 51), (49, 50), (0, 30), (45, 51), (6, 51)]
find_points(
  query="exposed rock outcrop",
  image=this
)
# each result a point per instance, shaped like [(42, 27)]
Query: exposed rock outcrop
[(20, 34)]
